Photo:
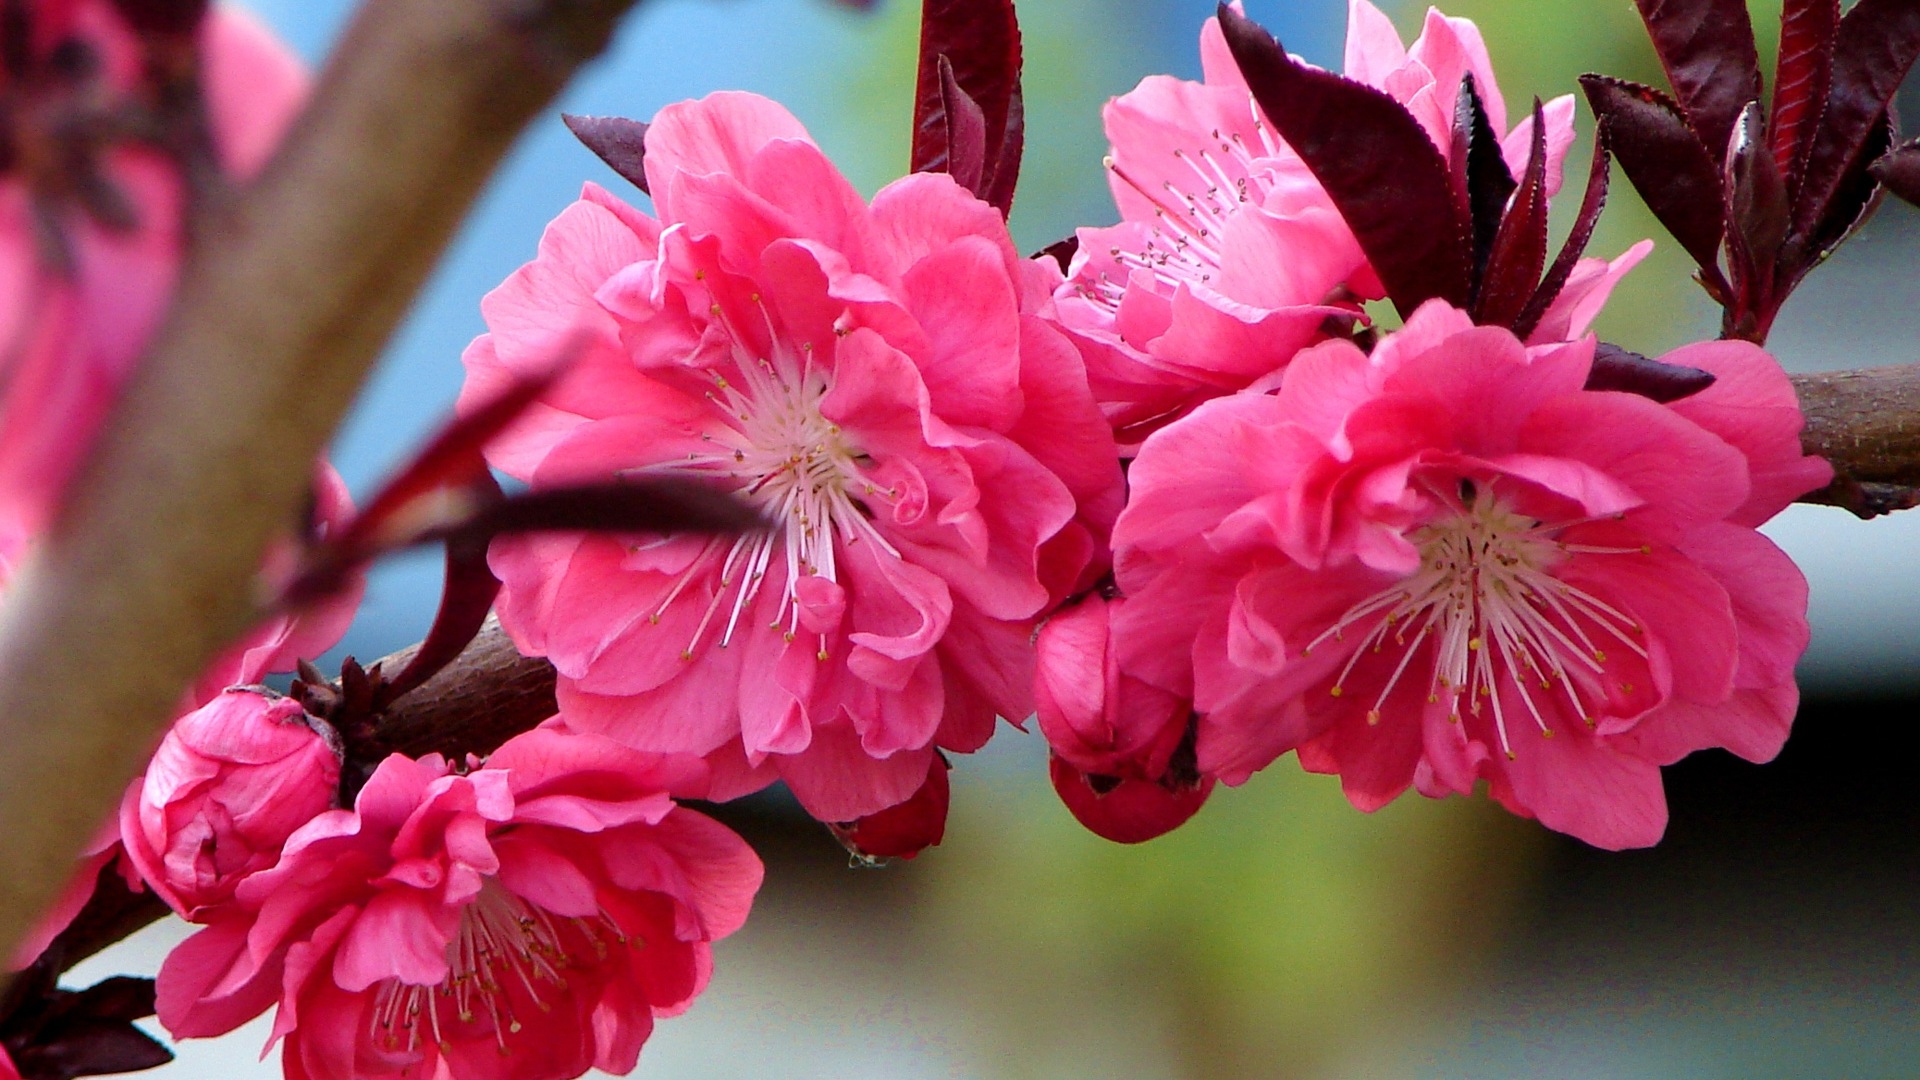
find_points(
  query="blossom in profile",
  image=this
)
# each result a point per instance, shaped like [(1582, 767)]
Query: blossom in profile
[(92, 221), (1449, 562), (1122, 749), (229, 784), (930, 461), (525, 918), (1229, 256)]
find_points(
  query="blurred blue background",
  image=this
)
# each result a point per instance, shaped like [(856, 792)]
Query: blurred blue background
[(1281, 934)]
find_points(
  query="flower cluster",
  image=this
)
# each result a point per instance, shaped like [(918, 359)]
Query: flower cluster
[(1176, 496)]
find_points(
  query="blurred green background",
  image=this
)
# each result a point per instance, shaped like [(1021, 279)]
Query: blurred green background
[(1281, 934)]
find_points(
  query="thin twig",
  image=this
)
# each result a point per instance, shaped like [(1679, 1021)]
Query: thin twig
[(294, 287)]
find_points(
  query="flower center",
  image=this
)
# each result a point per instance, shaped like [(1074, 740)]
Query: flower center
[(777, 449), (1191, 211), (1488, 600), (507, 957)]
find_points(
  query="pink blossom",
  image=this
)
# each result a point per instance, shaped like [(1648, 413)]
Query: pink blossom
[(1122, 748), (79, 309), (933, 464), (1449, 562), (525, 919), (1230, 256), (7, 1071), (230, 782)]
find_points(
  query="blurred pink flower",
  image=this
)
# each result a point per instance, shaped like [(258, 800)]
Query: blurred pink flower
[(1229, 256), (525, 919), (1449, 562), (7, 1071), (1122, 748), (935, 471), (91, 236), (230, 782)]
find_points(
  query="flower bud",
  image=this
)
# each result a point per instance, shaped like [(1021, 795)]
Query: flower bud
[(1122, 758), (230, 782)]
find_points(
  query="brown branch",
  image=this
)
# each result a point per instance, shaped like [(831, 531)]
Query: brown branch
[(1867, 423), (294, 287), (487, 696)]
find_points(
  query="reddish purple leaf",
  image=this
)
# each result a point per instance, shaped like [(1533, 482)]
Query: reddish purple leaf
[(450, 462), (1666, 163), (1899, 170), (85, 1046), (966, 132), (1850, 207), (1482, 182), (619, 142), (1614, 368), (980, 39), (655, 506), (1375, 162), (162, 16), (1877, 43), (1003, 173), (1757, 212), (466, 596), (1706, 47), (1520, 248), (1594, 201), (1062, 252), (1800, 85)]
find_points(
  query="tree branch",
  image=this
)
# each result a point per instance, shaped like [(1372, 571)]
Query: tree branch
[(292, 290), (1867, 423)]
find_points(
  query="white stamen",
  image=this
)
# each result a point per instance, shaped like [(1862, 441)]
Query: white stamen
[(1487, 596)]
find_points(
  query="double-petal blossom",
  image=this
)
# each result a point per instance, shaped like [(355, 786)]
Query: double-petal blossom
[(525, 919), (1448, 561), (932, 466)]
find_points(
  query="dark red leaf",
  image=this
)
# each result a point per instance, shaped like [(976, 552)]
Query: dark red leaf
[(966, 132), (122, 997), (1482, 181), (1899, 170), (1594, 201), (1706, 47), (409, 504), (466, 597), (1003, 173), (90, 1047), (1877, 43), (1520, 248), (162, 16), (1062, 252), (661, 506), (981, 41), (1374, 160), (1757, 215), (1800, 85), (619, 142), (1666, 163), (1614, 368), (1852, 203)]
